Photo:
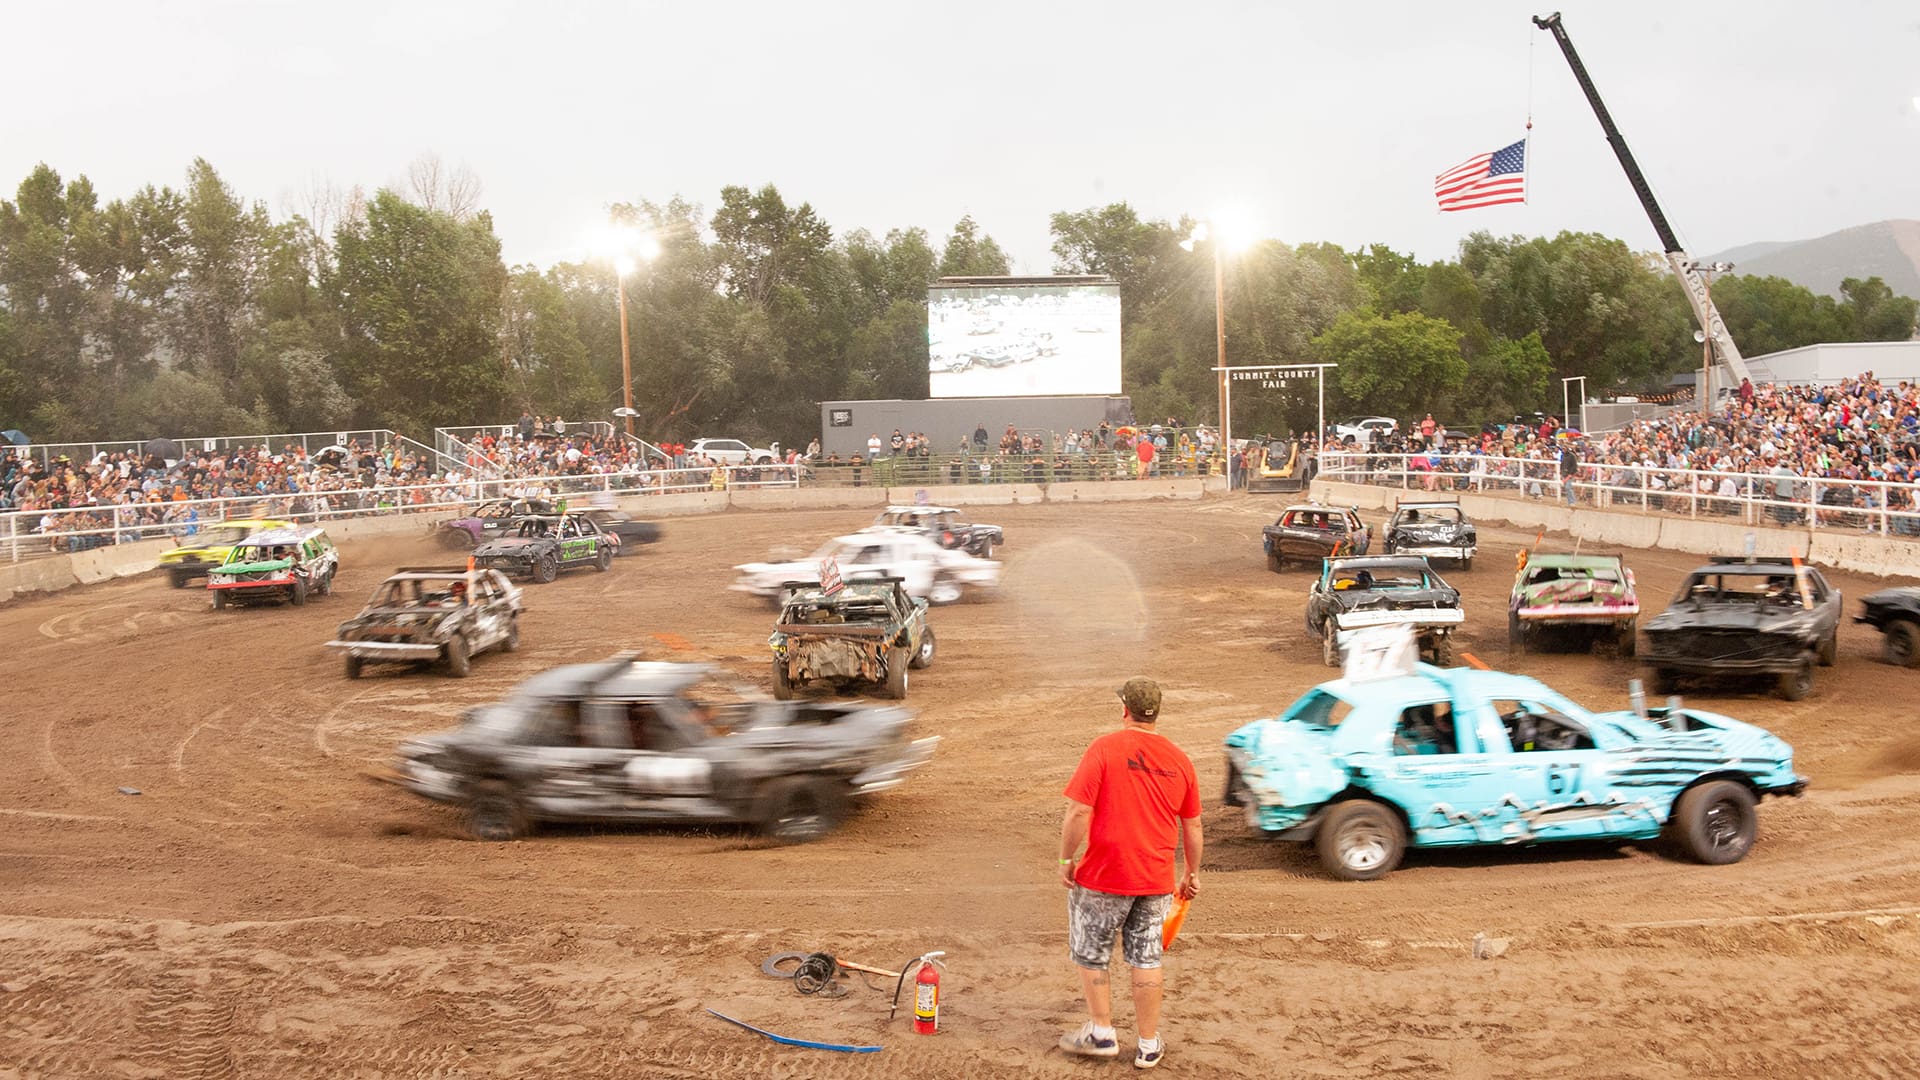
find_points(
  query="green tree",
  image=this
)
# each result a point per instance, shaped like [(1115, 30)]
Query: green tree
[(1768, 314), (545, 356), (1143, 256), (421, 297), (972, 253), (1870, 312), (1397, 365)]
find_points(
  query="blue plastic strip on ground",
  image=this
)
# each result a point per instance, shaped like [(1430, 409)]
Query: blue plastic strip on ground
[(797, 1042)]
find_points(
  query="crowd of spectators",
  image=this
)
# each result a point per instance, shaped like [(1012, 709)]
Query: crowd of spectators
[(1106, 452)]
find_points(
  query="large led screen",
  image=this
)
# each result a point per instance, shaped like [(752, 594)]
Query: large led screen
[(1023, 340)]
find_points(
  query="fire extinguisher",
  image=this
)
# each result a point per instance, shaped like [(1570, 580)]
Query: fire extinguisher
[(926, 991)]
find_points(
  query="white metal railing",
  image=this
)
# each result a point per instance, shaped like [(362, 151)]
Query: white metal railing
[(276, 443), (1874, 506), (30, 533)]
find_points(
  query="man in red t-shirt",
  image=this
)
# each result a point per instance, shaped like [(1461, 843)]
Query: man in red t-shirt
[(1133, 795)]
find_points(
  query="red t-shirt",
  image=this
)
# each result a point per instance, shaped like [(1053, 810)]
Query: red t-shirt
[(1140, 785)]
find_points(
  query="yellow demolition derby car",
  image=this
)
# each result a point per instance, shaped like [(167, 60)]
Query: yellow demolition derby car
[(209, 547)]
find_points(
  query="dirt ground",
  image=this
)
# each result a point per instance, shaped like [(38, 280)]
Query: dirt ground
[(262, 908)]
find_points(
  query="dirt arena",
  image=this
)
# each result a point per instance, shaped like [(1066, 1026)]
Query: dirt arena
[(263, 909)]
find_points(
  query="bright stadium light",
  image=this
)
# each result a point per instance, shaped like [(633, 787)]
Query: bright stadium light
[(625, 265), (627, 247), (1233, 230)]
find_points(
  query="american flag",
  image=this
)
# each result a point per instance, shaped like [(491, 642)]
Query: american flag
[(1485, 180), (830, 581)]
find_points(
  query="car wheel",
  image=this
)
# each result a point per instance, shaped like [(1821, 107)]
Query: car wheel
[(546, 568), (219, 600), (1516, 634), (512, 644), (1902, 644), (459, 659), (1360, 840), (1330, 647), (1795, 685), (1273, 562), (782, 682), (896, 686), (1626, 639), (923, 656), (492, 812), (178, 581), (799, 809), (605, 561), (986, 550), (299, 594), (1466, 563), (354, 666), (1442, 652), (1830, 648), (1665, 681), (1714, 822), (763, 461)]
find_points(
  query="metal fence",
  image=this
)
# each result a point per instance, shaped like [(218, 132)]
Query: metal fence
[(31, 533), (309, 441), (1872, 506)]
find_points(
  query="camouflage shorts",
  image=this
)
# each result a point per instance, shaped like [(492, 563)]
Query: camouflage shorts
[(1093, 918)]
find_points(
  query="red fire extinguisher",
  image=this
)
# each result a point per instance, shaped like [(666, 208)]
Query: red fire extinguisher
[(926, 992)]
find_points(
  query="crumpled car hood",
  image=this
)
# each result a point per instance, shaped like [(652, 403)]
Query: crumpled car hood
[(1393, 600)]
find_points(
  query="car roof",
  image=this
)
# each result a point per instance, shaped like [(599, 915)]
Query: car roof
[(1316, 507), (1427, 680), (1365, 562), (1560, 559), (876, 533), (434, 573), (256, 524), (1425, 503), (621, 676), (920, 510), (281, 536), (1762, 567)]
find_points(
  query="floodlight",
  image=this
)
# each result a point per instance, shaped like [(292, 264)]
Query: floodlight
[(624, 265), (1700, 337)]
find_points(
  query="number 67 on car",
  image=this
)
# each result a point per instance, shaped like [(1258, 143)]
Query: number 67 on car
[(1430, 757)]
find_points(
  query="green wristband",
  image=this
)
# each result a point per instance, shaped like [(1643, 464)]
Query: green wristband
[(1066, 862)]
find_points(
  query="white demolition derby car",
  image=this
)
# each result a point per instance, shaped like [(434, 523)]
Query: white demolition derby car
[(924, 567)]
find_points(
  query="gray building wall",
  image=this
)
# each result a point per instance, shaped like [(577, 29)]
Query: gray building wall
[(946, 421)]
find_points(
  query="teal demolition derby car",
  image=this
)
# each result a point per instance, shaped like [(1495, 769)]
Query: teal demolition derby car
[(1429, 757)]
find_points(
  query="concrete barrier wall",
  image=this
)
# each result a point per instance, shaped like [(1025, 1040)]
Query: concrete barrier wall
[(1185, 487), (1631, 530), (822, 498), (972, 494)]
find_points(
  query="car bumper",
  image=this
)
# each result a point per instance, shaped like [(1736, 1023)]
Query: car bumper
[(1438, 551), (424, 780), (1579, 614), (386, 650), (894, 773), (1693, 665)]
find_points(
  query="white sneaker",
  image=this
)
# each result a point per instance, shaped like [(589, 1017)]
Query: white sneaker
[(1147, 1059), (1085, 1043)]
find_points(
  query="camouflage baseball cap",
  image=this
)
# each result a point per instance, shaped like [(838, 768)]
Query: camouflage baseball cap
[(1141, 697)]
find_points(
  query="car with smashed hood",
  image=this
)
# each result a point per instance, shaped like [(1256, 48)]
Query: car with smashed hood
[(276, 565), (486, 521), (1896, 614), (925, 569), (862, 631), (539, 546), (1743, 617), (208, 547), (423, 614), (1371, 591), (1437, 530), (1424, 757), (1590, 594), (626, 741), (1311, 532)]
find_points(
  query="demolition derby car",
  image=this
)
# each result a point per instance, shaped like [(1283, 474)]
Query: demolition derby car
[(1896, 614), (490, 519), (925, 569), (1437, 530), (1592, 594), (1365, 768), (628, 741), (1383, 590), (277, 564), (1741, 617), (429, 613), (944, 525), (1310, 532), (202, 551), (865, 631), (540, 546)]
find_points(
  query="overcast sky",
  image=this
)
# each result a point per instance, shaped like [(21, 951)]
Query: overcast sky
[(1754, 120)]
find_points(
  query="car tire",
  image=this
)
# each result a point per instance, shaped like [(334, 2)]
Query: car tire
[(986, 550), (354, 666), (896, 684), (799, 809), (546, 568), (604, 562), (1901, 644), (512, 641), (1274, 562), (1330, 647), (1442, 652), (1715, 822), (782, 682), (459, 658), (1830, 648), (298, 595), (923, 656), (1665, 681), (1466, 564), (763, 461), (219, 600), (1626, 639), (1795, 685), (178, 581), (1360, 840), (1516, 634), (493, 812)]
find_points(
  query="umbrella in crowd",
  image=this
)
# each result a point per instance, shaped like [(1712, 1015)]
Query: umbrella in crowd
[(15, 436), (165, 449)]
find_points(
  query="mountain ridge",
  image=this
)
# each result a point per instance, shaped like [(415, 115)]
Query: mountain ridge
[(1889, 250)]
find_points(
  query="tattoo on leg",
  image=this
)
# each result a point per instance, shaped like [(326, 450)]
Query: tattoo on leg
[(1100, 978)]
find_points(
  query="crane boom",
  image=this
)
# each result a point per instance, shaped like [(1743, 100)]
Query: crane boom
[(1688, 271)]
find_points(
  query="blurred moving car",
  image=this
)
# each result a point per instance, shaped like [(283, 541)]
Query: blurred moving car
[(1896, 614), (430, 613), (925, 569), (944, 525), (866, 630), (201, 552), (539, 546), (626, 741), (276, 564), (1363, 768), (1740, 616), (490, 519), (1592, 594)]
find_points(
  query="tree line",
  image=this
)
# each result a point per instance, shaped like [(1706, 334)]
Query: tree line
[(191, 310)]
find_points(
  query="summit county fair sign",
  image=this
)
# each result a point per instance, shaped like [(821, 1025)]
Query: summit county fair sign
[(1278, 377)]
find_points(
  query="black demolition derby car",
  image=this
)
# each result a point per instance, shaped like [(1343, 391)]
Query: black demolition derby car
[(1383, 590), (424, 614), (625, 741), (1896, 614), (944, 525), (1310, 532), (1437, 530), (540, 546), (1741, 616)]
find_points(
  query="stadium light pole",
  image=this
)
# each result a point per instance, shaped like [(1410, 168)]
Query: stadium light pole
[(631, 248), (1705, 336), (1201, 234)]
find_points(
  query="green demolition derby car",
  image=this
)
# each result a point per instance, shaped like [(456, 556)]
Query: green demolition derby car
[(277, 564)]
